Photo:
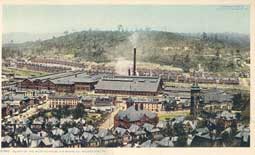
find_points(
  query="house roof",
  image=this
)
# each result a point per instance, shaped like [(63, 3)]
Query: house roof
[(140, 132), (69, 138), (27, 132), (166, 142), (129, 83), (42, 134), (57, 143), (6, 139), (226, 115), (148, 143), (102, 132), (66, 120), (202, 130), (148, 127), (120, 131), (192, 124), (208, 137), (88, 128), (133, 128), (109, 137), (53, 120), (161, 124), (132, 114), (244, 134), (57, 132), (74, 130), (87, 136)]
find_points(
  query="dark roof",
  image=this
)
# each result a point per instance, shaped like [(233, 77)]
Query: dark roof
[(129, 83), (216, 95), (75, 78), (134, 115), (54, 76)]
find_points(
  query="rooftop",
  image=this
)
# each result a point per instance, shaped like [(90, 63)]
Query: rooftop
[(132, 114), (129, 83)]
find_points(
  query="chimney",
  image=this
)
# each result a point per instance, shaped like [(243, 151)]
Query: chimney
[(134, 67)]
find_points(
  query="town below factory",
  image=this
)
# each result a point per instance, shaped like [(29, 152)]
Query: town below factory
[(74, 104)]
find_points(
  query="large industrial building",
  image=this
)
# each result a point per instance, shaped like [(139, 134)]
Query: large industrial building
[(70, 82), (129, 85)]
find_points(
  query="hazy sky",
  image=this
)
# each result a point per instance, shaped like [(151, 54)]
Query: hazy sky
[(51, 19)]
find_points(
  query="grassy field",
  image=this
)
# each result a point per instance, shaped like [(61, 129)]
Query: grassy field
[(24, 72), (172, 114)]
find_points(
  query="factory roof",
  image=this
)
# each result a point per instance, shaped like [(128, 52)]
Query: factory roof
[(75, 78), (216, 95), (129, 83), (54, 76)]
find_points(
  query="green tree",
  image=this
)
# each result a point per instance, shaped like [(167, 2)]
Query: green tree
[(79, 112)]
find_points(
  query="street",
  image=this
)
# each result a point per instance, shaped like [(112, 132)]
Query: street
[(30, 112), (109, 122)]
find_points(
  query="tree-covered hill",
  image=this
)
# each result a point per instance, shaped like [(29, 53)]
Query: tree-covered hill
[(214, 52)]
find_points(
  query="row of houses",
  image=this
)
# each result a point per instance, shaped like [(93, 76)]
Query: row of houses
[(15, 103), (45, 60), (71, 101), (179, 76), (52, 132), (210, 80), (42, 67)]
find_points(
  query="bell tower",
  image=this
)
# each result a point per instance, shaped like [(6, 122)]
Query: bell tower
[(195, 100)]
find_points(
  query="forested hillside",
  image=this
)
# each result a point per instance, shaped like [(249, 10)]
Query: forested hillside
[(214, 52)]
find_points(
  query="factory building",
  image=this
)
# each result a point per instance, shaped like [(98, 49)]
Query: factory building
[(149, 104), (63, 101), (63, 83), (129, 85)]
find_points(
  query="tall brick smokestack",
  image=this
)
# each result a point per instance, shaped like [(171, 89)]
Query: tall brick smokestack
[(134, 67)]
